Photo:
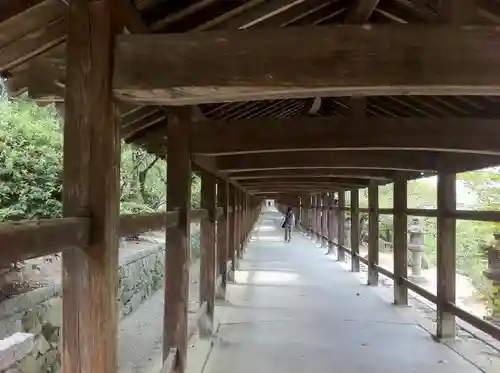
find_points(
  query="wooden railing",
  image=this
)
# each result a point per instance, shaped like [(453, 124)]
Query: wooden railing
[(477, 322)]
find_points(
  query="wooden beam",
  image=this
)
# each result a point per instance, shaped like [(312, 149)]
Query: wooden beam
[(387, 160), (139, 223), (446, 254), (30, 239), (91, 189), (304, 180), (400, 242), (319, 173), (342, 133), (175, 334), (383, 60), (373, 232), (360, 11), (222, 235), (208, 251)]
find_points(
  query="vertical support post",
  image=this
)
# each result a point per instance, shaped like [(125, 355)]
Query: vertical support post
[(222, 235), (355, 230), (324, 220), (341, 229), (236, 233), (208, 251), (319, 210), (91, 174), (400, 248), (177, 258), (373, 232), (241, 227), (329, 212), (446, 253), (231, 227), (313, 217)]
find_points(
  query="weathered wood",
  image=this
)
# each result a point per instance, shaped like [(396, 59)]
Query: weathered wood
[(197, 215), (223, 234), (30, 239), (377, 159), (492, 216), (169, 363), (178, 256), (341, 226), (382, 60), (475, 321), (373, 232), (233, 227), (400, 242), (382, 175), (342, 133), (324, 220), (208, 248), (354, 230), (304, 180), (91, 165), (135, 224), (446, 254)]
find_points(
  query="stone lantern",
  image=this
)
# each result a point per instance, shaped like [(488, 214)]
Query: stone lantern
[(416, 247), (493, 274)]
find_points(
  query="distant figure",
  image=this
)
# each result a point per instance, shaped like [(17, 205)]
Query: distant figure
[(288, 223)]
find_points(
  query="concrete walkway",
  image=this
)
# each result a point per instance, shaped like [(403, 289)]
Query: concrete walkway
[(292, 309)]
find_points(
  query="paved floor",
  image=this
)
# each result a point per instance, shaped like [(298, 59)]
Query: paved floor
[(292, 309)]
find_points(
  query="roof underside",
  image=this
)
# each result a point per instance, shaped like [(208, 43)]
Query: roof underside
[(30, 29)]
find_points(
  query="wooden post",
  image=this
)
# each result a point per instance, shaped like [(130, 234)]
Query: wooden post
[(400, 242), (373, 234), (234, 246), (231, 228), (355, 230), (313, 217), (91, 174), (208, 250), (222, 235), (241, 228), (341, 225), (319, 207), (177, 256), (446, 254), (324, 220)]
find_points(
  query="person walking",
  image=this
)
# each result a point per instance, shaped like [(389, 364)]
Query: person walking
[(288, 223)]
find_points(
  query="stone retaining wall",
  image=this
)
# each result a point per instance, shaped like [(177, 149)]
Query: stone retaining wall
[(39, 311)]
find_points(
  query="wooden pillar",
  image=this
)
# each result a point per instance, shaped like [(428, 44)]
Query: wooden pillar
[(341, 227), (373, 228), (329, 213), (91, 174), (241, 227), (208, 250), (355, 230), (222, 235), (177, 256), (313, 218), (446, 253), (234, 230), (400, 242), (324, 220), (319, 207)]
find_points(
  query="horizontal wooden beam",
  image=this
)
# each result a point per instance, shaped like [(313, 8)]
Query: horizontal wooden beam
[(135, 224), (314, 173), (398, 160), (304, 180), (343, 60), (30, 239), (342, 133)]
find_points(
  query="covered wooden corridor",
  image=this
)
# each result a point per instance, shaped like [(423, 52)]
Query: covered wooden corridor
[(293, 309), (261, 103)]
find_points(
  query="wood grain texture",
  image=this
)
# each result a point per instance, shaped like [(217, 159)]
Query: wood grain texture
[(342, 133), (354, 230), (222, 233), (208, 247), (400, 242), (373, 234), (91, 189), (446, 254), (177, 258)]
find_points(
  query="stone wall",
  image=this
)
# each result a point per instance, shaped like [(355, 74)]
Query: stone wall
[(39, 311)]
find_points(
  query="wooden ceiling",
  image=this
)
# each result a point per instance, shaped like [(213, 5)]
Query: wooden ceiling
[(309, 141)]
